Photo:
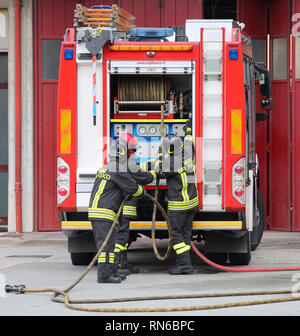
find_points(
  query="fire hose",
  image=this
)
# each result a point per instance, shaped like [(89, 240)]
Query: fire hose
[(75, 304)]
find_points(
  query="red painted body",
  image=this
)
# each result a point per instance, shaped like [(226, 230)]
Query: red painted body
[(233, 99), (66, 101)]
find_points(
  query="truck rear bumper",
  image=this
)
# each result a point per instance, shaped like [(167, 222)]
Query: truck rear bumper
[(159, 225)]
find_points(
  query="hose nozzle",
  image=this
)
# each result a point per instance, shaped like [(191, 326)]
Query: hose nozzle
[(18, 289)]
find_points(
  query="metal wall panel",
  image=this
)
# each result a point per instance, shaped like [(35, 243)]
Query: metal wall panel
[(280, 130), (296, 118)]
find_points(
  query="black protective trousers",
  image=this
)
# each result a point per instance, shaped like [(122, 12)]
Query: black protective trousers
[(105, 266), (182, 225), (122, 235)]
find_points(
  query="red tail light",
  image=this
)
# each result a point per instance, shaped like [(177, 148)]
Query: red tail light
[(238, 180), (62, 192), (63, 180), (239, 169)]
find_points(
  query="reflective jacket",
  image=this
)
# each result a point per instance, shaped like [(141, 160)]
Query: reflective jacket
[(179, 171), (112, 181), (142, 177)]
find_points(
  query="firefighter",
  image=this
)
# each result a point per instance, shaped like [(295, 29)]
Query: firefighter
[(142, 177), (112, 181), (178, 167)]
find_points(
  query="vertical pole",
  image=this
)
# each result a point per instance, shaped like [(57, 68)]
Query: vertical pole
[(223, 117), (18, 118), (94, 89)]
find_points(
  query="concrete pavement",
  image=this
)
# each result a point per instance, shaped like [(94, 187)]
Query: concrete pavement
[(41, 260)]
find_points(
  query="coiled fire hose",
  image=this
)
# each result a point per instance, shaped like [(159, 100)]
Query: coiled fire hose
[(75, 304)]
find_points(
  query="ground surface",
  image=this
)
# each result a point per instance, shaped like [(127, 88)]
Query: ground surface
[(41, 260)]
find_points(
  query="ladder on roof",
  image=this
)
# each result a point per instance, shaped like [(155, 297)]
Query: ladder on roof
[(103, 16), (212, 119)]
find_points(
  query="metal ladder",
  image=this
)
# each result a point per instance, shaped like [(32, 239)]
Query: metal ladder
[(212, 118)]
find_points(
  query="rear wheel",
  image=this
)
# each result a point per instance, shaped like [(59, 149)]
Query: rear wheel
[(81, 259)]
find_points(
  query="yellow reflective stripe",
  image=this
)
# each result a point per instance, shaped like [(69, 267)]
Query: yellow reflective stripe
[(188, 137), (182, 202), (98, 193), (153, 173), (129, 210), (111, 257), (133, 214), (138, 192), (184, 187), (143, 166), (102, 257), (129, 207), (179, 245), (183, 205), (120, 247), (102, 213), (183, 249)]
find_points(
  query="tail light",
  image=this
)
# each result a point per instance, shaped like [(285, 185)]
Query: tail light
[(63, 180), (238, 180)]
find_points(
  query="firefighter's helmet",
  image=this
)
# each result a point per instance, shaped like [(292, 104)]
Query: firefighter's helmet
[(124, 146), (172, 144)]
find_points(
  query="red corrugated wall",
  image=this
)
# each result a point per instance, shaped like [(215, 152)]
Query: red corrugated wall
[(251, 12), (51, 18), (295, 119), (280, 165), (280, 130)]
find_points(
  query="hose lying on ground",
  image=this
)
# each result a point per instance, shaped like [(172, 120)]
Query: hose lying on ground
[(74, 304)]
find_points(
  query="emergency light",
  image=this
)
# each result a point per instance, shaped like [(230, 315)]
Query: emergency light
[(233, 54), (151, 32), (68, 54)]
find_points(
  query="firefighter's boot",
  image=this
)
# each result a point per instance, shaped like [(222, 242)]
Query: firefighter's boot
[(182, 265), (124, 264), (118, 268), (105, 274)]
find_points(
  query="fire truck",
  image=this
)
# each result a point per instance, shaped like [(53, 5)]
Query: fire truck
[(116, 78)]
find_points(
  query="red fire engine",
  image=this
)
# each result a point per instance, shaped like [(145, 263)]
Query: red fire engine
[(114, 79)]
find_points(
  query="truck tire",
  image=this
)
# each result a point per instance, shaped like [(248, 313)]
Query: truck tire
[(258, 229), (81, 259), (239, 259)]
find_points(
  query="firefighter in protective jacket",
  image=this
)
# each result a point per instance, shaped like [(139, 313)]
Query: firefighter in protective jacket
[(112, 181), (129, 212), (178, 167)]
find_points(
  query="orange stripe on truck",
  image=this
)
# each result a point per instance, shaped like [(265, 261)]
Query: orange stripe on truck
[(236, 131), (65, 131)]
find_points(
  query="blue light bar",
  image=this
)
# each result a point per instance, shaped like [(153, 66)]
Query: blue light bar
[(68, 53), (151, 32)]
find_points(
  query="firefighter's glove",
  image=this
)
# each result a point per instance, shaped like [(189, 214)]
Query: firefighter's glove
[(144, 193), (158, 161), (188, 127)]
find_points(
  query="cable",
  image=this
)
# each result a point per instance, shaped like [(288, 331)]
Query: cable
[(232, 269)]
